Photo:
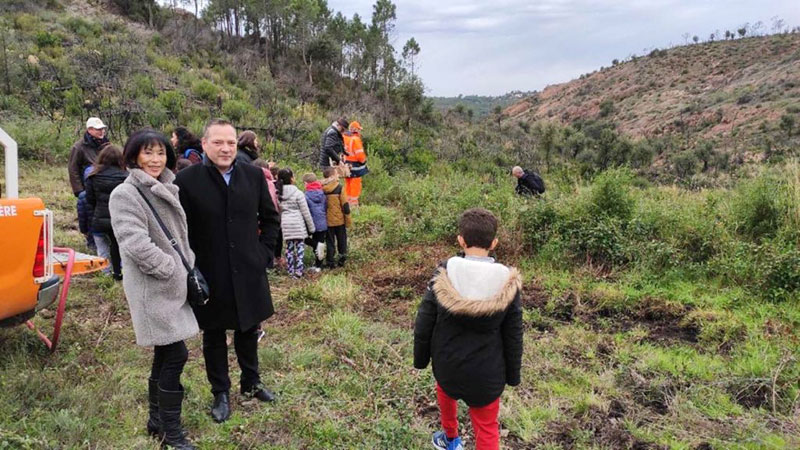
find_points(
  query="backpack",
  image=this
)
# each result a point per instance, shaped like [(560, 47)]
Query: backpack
[(190, 151), (538, 183)]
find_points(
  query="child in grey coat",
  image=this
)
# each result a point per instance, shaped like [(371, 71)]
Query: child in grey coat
[(296, 221)]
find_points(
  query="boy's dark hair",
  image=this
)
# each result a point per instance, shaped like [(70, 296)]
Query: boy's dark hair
[(328, 172), (146, 138), (478, 227), (258, 162)]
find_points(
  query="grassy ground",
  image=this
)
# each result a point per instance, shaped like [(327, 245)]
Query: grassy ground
[(612, 360)]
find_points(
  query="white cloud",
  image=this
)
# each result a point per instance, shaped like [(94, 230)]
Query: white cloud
[(480, 47)]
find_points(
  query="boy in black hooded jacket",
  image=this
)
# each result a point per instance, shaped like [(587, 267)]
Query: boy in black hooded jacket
[(470, 324)]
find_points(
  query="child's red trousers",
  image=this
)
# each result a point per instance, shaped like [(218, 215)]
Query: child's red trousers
[(484, 420)]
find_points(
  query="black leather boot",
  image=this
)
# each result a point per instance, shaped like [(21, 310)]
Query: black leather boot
[(154, 421), (221, 408), (170, 403), (259, 392)]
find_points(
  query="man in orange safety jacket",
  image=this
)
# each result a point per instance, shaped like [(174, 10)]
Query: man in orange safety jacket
[(357, 159)]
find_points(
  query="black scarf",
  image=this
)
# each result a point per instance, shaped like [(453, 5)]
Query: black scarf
[(93, 141)]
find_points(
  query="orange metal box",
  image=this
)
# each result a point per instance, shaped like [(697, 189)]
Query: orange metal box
[(20, 228)]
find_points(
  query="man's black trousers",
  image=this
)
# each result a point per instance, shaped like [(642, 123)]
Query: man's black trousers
[(215, 352)]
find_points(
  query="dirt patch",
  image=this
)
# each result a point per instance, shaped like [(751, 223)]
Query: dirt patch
[(654, 394), (751, 394), (286, 318), (671, 332), (391, 291), (606, 428), (664, 321), (392, 287), (425, 407), (534, 296)]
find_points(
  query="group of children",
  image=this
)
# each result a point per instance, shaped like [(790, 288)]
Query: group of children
[(318, 216)]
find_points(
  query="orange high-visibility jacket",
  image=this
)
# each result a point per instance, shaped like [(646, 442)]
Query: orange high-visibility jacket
[(354, 149)]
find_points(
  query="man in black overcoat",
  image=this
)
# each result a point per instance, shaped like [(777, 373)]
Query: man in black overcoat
[(233, 226)]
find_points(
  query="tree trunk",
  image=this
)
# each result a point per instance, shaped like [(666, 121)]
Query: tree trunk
[(307, 61), (149, 14), (196, 15), (266, 35), (6, 75)]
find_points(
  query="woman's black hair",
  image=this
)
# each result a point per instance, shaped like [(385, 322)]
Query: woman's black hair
[(284, 177), (186, 140), (145, 138)]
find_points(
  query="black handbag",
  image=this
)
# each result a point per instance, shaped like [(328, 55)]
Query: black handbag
[(197, 292)]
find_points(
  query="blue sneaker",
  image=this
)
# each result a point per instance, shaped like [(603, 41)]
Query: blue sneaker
[(440, 442)]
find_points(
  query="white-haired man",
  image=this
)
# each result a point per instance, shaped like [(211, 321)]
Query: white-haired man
[(528, 182), (82, 155)]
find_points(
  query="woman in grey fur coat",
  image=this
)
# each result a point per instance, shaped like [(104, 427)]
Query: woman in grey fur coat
[(155, 278)]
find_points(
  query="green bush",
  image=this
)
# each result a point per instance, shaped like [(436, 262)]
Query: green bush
[(41, 139), (172, 102), (205, 90), (597, 241), (611, 195), (235, 110), (755, 208), (45, 39), (26, 22), (539, 221), (142, 86), (779, 277), (168, 64), (83, 28)]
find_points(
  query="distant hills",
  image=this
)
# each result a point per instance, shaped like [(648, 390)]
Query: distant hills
[(479, 104), (743, 94)]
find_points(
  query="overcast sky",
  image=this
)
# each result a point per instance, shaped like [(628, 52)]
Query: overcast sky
[(493, 47)]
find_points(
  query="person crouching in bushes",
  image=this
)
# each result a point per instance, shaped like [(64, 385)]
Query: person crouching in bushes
[(107, 173), (470, 324), (296, 221), (155, 278), (318, 205), (338, 215)]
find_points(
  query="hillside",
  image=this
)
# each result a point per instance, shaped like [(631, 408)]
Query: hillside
[(482, 105), (64, 61), (737, 92)]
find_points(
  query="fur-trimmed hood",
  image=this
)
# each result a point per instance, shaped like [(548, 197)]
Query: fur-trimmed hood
[(497, 300), (329, 184)]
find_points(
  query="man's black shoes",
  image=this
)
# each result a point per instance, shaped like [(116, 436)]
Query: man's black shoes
[(259, 392), (221, 408)]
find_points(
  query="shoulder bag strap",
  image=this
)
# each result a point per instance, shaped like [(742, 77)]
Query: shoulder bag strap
[(172, 241)]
